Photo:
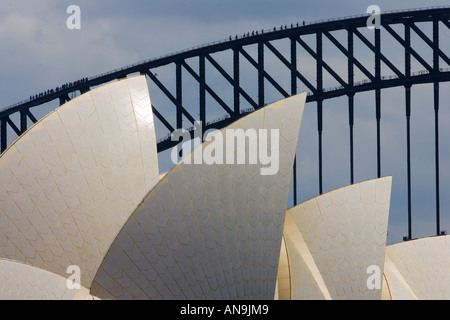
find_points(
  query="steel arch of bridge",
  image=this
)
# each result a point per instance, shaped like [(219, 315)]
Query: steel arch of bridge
[(264, 41)]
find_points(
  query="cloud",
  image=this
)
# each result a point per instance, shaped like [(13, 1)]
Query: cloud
[(39, 52)]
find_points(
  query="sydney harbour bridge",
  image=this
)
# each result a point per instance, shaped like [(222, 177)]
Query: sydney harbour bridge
[(183, 84)]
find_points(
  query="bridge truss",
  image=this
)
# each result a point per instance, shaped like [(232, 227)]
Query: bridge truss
[(183, 90)]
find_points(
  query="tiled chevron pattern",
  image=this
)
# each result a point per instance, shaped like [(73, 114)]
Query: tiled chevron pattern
[(68, 184), (208, 231), (332, 239), (283, 290), (419, 269), (23, 282)]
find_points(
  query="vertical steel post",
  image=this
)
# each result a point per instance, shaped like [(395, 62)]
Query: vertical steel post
[(202, 92), (179, 97), (236, 75), (351, 79), (294, 92), (3, 135), (408, 123), (436, 147), (320, 130), (261, 97), (293, 66), (378, 97), (408, 156), (436, 118), (319, 75), (351, 124), (23, 121), (179, 89), (436, 140)]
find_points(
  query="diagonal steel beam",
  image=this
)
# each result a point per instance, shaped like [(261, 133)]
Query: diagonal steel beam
[(179, 107), (63, 99), (289, 65), (446, 22), (162, 119), (411, 50), (348, 55), (427, 40), (208, 89), (13, 126), (382, 56), (31, 116), (323, 63), (231, 80), (3, 135), (266, 75)]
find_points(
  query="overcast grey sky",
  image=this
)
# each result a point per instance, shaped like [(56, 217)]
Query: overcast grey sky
[(38, 52)]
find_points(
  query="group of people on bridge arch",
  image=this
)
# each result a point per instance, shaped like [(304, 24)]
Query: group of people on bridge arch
[(57, 89), (253, 33)]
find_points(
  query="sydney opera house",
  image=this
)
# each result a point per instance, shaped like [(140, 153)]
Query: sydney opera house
[(85, 213)]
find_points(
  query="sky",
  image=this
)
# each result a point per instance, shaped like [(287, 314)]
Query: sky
[(39, 52)]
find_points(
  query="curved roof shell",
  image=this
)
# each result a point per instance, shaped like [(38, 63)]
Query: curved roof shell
[(209, 231), (71, 181), (332, 240)]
